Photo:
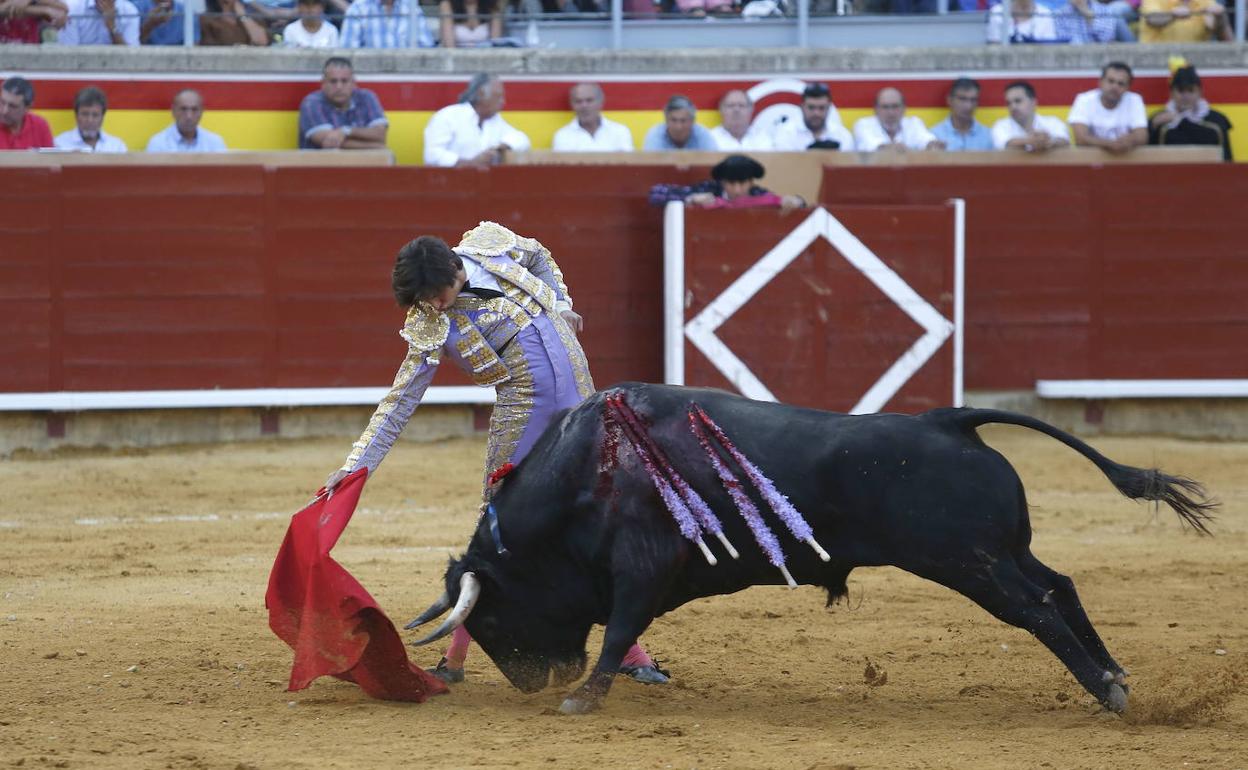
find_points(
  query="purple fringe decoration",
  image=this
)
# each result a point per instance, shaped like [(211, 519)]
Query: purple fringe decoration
[(638, 436), (762, 533), (778, 502)]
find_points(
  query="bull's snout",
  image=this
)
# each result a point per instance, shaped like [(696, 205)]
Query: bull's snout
[(568, 671), (528, 677)]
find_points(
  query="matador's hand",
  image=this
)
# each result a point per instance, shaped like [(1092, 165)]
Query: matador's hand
[(333, 480), (574, 320)]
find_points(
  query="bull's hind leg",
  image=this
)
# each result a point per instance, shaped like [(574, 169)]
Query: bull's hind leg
[(1062, 590), (1002, 589)]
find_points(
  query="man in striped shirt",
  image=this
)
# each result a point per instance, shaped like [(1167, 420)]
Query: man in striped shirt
[(384, 24)]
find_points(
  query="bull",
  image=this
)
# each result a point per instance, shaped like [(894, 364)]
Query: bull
[(578, 540)]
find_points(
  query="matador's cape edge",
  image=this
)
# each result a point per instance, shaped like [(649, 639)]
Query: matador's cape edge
[(334, 626)]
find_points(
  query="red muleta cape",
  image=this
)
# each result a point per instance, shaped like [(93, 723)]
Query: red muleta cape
[(333, 624)]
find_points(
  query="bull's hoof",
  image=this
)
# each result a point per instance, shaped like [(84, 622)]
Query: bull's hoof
[(573, 705), (1115, 699)]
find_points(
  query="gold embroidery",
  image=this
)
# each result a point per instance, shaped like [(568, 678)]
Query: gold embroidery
[(411, 365), (425, 329), (488, 239), (576, 357), (532, 250), (513, 408), (526, 281)]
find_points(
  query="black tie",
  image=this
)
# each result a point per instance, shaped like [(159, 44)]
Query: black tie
[(482, 293)]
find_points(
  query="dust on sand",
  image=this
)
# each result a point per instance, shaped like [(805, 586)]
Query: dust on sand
[(134, 633)]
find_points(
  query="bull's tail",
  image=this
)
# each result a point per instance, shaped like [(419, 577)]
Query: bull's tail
[(1185, 496)]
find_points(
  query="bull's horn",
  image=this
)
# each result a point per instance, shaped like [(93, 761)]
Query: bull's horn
[(469, 591), (437, 608)]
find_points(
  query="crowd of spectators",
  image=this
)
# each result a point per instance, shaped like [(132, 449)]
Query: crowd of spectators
[(473, 132), (476, 23)]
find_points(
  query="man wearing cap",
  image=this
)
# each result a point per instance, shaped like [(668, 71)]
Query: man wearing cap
[(820, 127), (1187, 117)]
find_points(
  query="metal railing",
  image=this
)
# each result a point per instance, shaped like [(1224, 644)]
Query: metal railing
[(798, 20)]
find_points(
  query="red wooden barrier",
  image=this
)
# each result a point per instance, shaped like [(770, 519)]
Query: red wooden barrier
[(1074, 272), (133, 278), (820, 333)]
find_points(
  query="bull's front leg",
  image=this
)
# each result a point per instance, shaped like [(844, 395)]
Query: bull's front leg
[(620, 635)]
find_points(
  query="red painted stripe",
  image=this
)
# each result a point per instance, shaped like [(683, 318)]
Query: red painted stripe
[(552, 95)]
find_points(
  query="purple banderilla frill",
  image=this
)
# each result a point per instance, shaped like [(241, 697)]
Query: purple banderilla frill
[(699, 423), (687, 507)]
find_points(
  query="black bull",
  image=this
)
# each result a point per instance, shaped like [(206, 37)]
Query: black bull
[(590, 544)]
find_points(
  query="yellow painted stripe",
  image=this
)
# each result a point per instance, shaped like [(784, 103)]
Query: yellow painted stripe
[(277, 129)]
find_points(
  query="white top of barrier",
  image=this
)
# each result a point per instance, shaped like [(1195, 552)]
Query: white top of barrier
[(215, 399), (1142, 388)]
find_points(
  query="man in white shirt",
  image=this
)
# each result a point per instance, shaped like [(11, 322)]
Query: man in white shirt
[(90, 104), (820, 126), (310, 30), (472, 132), (101, 22), (891, 129), (185, 134), (735, 134), (1024, 129), (590, 131), (1110, 116)]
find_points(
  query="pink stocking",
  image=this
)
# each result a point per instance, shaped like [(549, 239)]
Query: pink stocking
[(636, 657), (458, 651)]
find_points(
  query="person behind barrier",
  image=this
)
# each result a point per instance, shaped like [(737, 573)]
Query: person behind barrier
[(960, 131), (341, 116), (589, 131), (1110, 116), (472, 132), (185, 134), (161, 22), (100, 22), (1183, 21), (679, 131), (469, 23), (1024, 129), (1187, 118), (228, 22), (890, 129), (90, 104), (384, 24), (820, 127), (22, 21), (497, 307), (734, 133), (21, 129), (733, 185), (310, 30)]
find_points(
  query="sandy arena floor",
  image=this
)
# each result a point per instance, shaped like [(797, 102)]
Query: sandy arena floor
[(133, 632)]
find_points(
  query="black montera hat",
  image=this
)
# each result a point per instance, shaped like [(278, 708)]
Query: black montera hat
[(737, 168), (1184, 78)]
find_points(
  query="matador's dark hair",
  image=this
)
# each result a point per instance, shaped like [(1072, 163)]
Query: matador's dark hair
[(422, 269)]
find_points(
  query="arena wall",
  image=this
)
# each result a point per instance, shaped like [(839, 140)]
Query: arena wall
[(140, 278)]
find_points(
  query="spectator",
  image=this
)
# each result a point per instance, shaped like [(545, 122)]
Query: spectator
[(469, 23), (21, 129), (226, 22), (185, 134), (1021, 21), (1024, 129), (701, 8), (1187, 117), (90, 104), (1110, 117), (384, 24), (736, 111), (961, 131), (891, 129), (1183, 21), (678, 131), (161, 22), (273, 15), (472, 132), (820, 128), (589, 131), (1090, 21), (341, 116), (310, 30), (734, 185), (100, 22), (21, 20)]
